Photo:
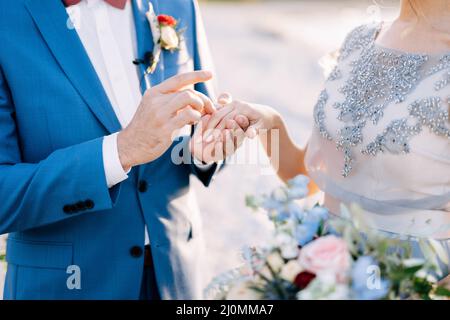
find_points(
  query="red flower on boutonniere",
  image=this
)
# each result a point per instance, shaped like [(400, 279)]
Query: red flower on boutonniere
[(166, 36), (166, 20)]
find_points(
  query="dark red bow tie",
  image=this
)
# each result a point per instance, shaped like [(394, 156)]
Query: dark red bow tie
[(119, 4)]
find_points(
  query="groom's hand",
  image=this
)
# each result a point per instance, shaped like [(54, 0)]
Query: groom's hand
[(164, 109), (210, 144)]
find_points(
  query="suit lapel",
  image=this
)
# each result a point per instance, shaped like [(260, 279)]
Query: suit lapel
[(51, 19), (202, 54), (145, 42)]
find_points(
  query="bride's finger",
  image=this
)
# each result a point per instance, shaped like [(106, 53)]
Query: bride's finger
[(228, 146), (239, 137), (231, 124), (225, 98), (253, 130), (219, 115), (242, 121), (223, 123)]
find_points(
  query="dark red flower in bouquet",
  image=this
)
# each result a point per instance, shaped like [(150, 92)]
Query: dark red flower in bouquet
[(303, 279), (167, 20)]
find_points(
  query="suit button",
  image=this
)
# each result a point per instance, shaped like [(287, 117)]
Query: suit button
[(89, 204), (136, 252), (81, 206), (143, 186), (70, 208)]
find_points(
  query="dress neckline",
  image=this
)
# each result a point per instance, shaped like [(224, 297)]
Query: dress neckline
[(379, 28)]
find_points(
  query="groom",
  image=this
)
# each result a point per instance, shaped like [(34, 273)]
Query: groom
[(95, 198)]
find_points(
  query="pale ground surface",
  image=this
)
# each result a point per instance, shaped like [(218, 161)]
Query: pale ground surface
[(266, 53)]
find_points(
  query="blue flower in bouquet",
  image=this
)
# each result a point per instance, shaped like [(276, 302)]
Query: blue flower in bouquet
[(288, 211), (276, 201), (320, 212), (310, 224), (298, 187), (305, 233), (300, 181), (295, 211), (367, 283)]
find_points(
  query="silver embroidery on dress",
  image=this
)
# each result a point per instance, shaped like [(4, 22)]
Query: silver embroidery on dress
[(349, 137), (430, 113), (394, 138), (358, 38), (427, 112), (319, 115), (377, 79), (444, 63), (335, 74)]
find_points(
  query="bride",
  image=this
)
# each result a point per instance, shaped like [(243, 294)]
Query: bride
[(382, 134)]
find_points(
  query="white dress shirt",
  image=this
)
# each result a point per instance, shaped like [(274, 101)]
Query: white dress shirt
[(108, 34)]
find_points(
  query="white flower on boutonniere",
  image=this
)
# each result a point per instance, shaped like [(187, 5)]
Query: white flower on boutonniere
[(165, 35), (170, 40)]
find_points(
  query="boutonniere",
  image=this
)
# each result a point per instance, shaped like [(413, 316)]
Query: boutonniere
[(166, 35)]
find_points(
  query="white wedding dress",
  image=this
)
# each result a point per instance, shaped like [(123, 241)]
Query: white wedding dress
[(382, 137)]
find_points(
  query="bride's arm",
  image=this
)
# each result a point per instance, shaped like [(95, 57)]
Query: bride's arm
[(285, 155)]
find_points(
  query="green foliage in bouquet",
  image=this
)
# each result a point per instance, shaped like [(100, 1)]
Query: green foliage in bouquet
[(315, 256)]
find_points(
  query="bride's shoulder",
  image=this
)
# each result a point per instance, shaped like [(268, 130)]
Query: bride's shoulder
[(359, 37)]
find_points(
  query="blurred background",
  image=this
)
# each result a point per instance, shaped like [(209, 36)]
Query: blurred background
[(266, 52)]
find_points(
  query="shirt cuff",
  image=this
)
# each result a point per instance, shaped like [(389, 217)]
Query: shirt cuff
[(111, 162)]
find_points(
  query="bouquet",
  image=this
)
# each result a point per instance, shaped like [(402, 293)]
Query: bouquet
[(313, 256)]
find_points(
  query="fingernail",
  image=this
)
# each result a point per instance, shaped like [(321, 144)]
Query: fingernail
[(209, 138), (251, 133)]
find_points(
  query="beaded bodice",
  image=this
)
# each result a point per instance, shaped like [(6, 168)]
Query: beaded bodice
[(382, 130), (378, 78)]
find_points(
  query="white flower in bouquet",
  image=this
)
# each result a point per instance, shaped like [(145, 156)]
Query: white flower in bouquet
[(413, 262), (423, 274), (275, 261), (290, 270), (287, 245), (289, 252), (325, 287)]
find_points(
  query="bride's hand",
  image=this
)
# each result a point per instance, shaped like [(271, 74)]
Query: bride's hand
[(210, 144), (250, 117)]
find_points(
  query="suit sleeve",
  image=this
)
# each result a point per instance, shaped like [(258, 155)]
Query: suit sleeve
[(69, 182), (203, 61)]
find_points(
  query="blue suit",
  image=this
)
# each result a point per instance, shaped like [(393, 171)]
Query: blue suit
[(55, 203)]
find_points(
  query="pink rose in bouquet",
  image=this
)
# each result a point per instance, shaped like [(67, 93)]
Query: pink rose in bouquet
[(326, 255)]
